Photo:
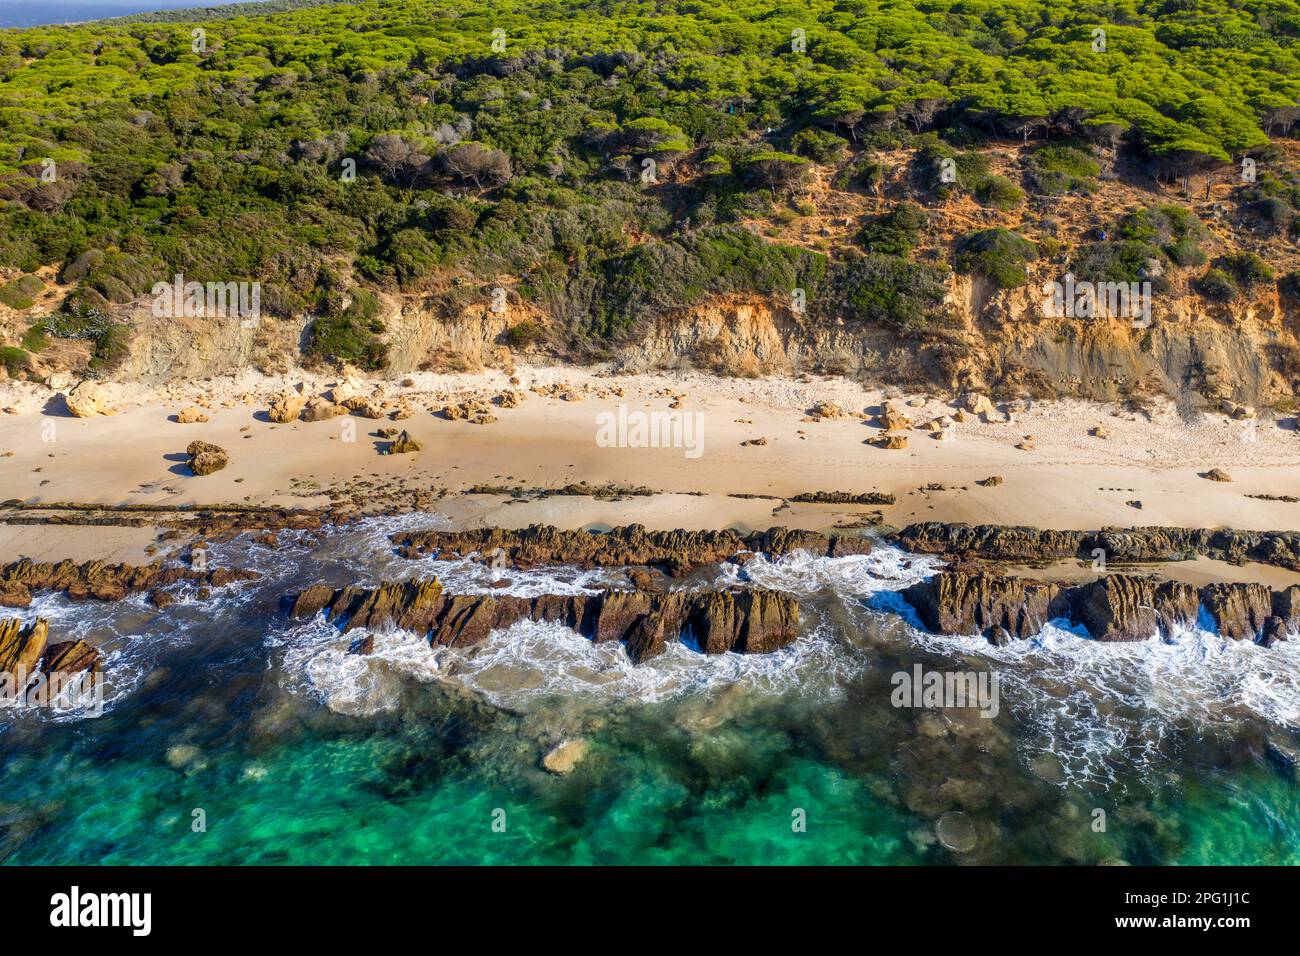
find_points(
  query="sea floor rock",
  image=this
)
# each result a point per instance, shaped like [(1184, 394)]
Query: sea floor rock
[(565, 756)]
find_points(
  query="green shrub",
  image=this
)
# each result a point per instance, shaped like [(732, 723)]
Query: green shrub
[(888, 291), (1186, 252), (1217, 286), (21, 292), (1125, 261), (896, 232), (999, 192), (817, 144), (1289, 284), (111, 350), (1058, 169), (350, 336), (997, 254), (1248, 269), (16, 361), (35, 339), (866, 172), (523, 334)]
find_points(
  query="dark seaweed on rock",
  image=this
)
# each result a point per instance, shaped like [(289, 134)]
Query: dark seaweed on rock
[(745, 621), (677, 552)]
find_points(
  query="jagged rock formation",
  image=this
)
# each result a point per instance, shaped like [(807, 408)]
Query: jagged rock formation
[(1123, 607), (745, 621), (1117, 607), (959, 602), (677, 552), (27, 657), (1132, 545), (101, 581)]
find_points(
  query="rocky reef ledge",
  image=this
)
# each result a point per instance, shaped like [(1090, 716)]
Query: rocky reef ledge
[(676, 552), (27, 658), (1118, 545), (103, 581), (1117, 607), (751, 621)]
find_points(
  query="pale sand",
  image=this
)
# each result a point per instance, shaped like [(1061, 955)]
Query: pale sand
[(1069, 480)]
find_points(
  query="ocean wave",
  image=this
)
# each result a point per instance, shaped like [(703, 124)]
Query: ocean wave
[(528, 662), (1097, 706)]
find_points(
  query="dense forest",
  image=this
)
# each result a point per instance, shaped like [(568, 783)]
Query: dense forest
[(614, 158)]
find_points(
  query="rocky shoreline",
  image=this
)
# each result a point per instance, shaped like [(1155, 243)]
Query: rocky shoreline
[(1116, 607), (974, 595), (676, 552), (102, 581), (749, 621), (1116, 545), (27, 657)]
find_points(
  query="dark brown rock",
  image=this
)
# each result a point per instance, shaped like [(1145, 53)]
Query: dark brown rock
[(1123, 607), (744, 620), (1274, 631), (1239, 610), (677, 552), (21, 646), (960, 602)]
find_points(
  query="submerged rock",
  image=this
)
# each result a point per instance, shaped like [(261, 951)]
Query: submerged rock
[(565, 756)]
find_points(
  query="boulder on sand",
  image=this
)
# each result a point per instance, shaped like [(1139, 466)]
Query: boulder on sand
[(190, 415), (285, 408), (403, 444), (87, 400), (320, 409), (205, 457)]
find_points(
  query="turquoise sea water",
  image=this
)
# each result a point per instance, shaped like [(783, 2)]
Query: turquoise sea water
[(288, 750)]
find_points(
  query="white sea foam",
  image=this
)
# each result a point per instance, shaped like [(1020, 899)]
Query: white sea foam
[(886, 568), (529, 661), (1094, 704)]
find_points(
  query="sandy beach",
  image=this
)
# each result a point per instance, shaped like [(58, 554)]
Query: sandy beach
[(1064, 474)]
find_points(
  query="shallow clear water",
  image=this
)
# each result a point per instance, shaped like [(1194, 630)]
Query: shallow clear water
[(234, 735)]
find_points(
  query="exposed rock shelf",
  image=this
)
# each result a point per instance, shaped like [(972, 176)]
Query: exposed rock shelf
[(101, 580), (27, 658), (1132, 545), (745, 621), (677, 552), (1117, 607)]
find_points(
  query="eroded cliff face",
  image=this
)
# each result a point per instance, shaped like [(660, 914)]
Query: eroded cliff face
[(994, 340)]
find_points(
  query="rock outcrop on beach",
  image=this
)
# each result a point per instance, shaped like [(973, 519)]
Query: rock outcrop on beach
[(1118, 545), (744, 620), (26, 655), (88, 399), (100, 580), (677, 552), (958, 602), (205, 457), (1116, 607)]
